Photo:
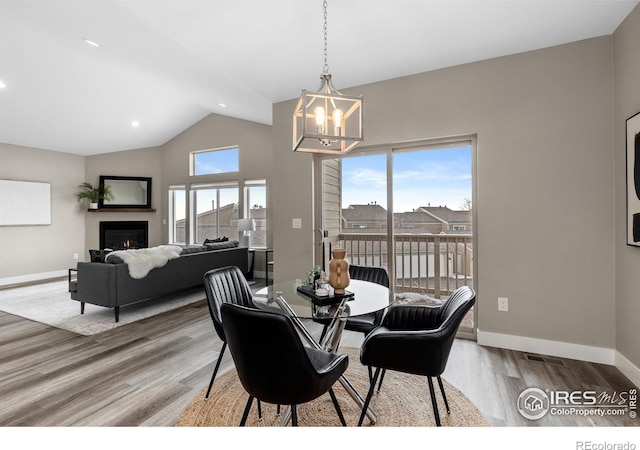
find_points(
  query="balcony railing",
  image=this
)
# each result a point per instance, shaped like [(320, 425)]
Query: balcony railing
[(432, 264)]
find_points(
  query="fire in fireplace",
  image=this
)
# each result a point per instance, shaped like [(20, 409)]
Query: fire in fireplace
[(122, 235)]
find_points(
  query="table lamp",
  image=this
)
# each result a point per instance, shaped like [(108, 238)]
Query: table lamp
[(245, 225)]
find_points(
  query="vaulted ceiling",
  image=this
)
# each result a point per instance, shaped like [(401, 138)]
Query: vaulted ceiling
[(166, 64)]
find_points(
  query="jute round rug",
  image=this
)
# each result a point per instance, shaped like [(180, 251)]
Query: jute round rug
[(404, 400)]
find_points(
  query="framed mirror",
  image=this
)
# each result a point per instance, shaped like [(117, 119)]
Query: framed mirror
[(128, 192)]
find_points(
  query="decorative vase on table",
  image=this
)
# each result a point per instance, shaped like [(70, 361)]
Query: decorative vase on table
[(339, 271)]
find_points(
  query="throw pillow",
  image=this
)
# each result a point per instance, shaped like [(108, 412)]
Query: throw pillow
[(211, 241), (99, 255)]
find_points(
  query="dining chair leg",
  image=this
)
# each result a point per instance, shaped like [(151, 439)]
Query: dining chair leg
[(246, 411), (337, 407), (369, 394), (215, 371), (259, 411), (384, 371), (444, 396), (294, 416), (433, 401)]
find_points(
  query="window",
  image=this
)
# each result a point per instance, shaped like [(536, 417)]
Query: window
[(255, 203), (177, 215), (214, 212), (207, 162)]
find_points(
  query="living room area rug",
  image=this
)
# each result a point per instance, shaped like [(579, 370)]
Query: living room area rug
[(403, 401), (50, 303)]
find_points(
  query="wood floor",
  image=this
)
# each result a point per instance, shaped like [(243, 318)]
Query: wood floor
[(145, 374)]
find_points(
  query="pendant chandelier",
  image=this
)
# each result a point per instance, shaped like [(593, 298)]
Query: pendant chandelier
[(327, 121)]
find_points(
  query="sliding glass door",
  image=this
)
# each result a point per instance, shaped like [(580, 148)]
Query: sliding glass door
[(408, 209)]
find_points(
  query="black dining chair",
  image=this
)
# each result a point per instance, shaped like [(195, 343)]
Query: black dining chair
[(364, 323), (416, 339), (225, 285), (273, 364)]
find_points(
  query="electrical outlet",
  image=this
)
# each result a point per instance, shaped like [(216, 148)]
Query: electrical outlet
[(75, 256), (503, 304)]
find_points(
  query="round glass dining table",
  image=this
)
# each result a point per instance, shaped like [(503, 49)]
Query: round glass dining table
[(367, 298)]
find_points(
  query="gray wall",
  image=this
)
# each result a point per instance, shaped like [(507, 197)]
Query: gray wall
[(544, 181), (26, 251), (627, 262)]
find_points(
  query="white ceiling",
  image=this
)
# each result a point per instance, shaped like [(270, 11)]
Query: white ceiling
[(169, 63)]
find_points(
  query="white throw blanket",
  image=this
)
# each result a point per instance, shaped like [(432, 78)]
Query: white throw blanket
[(142, 261)]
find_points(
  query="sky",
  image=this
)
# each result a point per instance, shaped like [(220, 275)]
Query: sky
[(216, 161), (437, 177)]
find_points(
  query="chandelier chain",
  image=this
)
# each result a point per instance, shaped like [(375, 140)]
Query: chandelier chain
[(325, 68)]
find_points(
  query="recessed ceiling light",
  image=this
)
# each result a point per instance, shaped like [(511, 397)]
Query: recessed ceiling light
[(135, 123), (90, 42), (222, 104), (2, 85)]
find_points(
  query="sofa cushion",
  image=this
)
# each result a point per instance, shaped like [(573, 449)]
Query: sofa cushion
[(221, 245), (113, 259), (194, 248)]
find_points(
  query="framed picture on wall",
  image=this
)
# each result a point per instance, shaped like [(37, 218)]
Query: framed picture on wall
[(633, 180)]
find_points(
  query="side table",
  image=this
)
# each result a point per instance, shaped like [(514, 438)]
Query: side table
[(267, 263), (73, 280)]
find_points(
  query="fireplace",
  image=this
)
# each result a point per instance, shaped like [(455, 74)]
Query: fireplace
[(124, 234)]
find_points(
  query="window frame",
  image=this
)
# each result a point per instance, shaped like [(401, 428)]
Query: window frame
[(255, 183), (171, 213)]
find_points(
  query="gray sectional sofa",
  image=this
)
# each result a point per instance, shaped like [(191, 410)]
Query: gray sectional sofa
[(109, 284)]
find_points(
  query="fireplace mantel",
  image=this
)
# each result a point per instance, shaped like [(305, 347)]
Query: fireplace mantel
[(123, 210)]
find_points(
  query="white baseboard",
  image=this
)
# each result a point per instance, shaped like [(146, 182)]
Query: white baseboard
[(562, 350), (551, 348), (630, 370), (32, 277)]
